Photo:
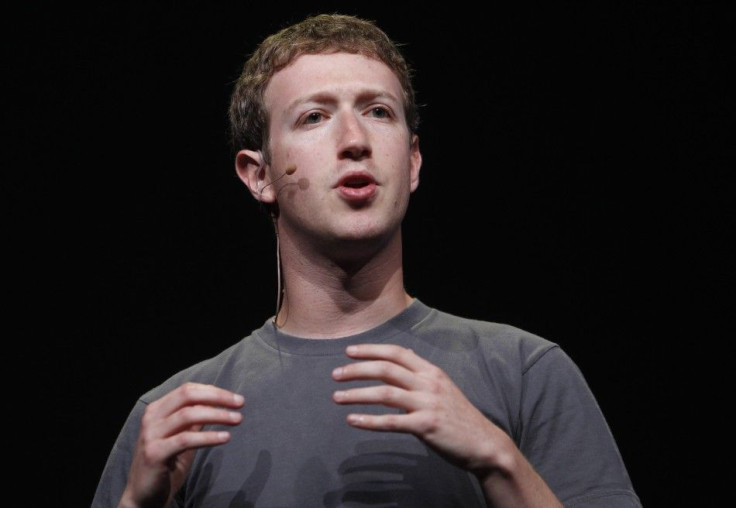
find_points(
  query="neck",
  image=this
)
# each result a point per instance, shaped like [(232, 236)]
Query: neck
[(327, 298)]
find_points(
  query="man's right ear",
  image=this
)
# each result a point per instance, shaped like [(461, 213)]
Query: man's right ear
[(251, 168)]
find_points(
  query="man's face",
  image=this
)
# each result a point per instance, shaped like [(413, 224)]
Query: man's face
[(339, 118)]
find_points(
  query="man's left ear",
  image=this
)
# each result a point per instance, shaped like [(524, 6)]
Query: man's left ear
[(416, 162), (251, 168)]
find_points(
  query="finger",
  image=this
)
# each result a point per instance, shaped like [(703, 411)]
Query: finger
[(390, 352), (385, 395), (195, 393), (378, 370), (384, 423), (161, 450), (194, 416)]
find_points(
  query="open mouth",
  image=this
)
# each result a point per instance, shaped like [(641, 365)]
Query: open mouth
[(356, 182), (357, 186)]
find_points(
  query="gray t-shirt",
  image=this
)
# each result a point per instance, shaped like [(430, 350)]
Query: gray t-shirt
[(295, 449)]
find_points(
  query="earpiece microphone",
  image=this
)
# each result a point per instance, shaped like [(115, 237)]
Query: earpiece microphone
[(290, 170)]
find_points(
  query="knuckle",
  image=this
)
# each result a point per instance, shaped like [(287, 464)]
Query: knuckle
[(392, 422), (150, 453), (148, 417), (434, 405), (430, 423), (179, 440), (188, 389), (434, 385), (387, 393), (436, 373), (433, 423), (384, 368), (188, 414)]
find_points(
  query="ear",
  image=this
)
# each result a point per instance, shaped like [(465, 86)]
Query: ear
[(415, 158), (251, 168)]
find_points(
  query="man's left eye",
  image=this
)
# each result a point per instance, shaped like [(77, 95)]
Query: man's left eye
[(380, 112), (313, 117)]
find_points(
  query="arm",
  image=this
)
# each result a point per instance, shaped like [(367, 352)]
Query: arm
[(439, 413), (170, 432)]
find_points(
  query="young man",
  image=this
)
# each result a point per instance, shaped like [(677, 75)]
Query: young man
[(355, 393)]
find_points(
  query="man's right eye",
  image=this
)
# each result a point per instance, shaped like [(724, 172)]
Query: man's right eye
[(313, 117)]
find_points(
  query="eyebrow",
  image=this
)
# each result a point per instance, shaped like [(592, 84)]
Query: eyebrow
[(325, 97)]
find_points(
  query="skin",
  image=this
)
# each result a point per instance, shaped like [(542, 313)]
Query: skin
[(437, 412), (171, 431), (336, 116)]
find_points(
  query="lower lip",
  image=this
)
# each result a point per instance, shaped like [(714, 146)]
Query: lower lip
[(356, 194)]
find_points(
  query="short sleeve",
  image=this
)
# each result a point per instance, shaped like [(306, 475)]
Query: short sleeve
[(566, 438), (115, 474)]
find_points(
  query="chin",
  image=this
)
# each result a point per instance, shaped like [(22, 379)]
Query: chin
[(367, 234), (356, 246)]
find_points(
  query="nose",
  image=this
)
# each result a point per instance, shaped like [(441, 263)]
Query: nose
[(353, 139)]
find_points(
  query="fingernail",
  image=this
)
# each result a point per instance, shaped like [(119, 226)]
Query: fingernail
[(337, 372), (238, 399)]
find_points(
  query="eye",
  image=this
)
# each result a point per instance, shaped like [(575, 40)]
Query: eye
[(380, 112), (313, 117)]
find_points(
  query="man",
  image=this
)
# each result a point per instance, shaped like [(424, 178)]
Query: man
[(356, 393)]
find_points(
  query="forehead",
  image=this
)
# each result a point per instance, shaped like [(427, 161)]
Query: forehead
[(329, 73)]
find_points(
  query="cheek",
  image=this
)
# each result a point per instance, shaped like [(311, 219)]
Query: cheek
[(310, 158)]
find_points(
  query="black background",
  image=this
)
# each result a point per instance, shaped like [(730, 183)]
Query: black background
[(575, 184)]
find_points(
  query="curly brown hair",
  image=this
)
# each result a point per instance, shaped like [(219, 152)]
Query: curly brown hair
[(322, 33)]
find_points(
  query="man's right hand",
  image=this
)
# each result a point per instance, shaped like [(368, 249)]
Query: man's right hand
[(171, 431)]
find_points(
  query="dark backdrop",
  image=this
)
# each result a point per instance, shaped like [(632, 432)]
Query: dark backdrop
[(574, 184)]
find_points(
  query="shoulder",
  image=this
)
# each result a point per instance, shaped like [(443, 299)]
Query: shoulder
[(215, 370), (493, 340)]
